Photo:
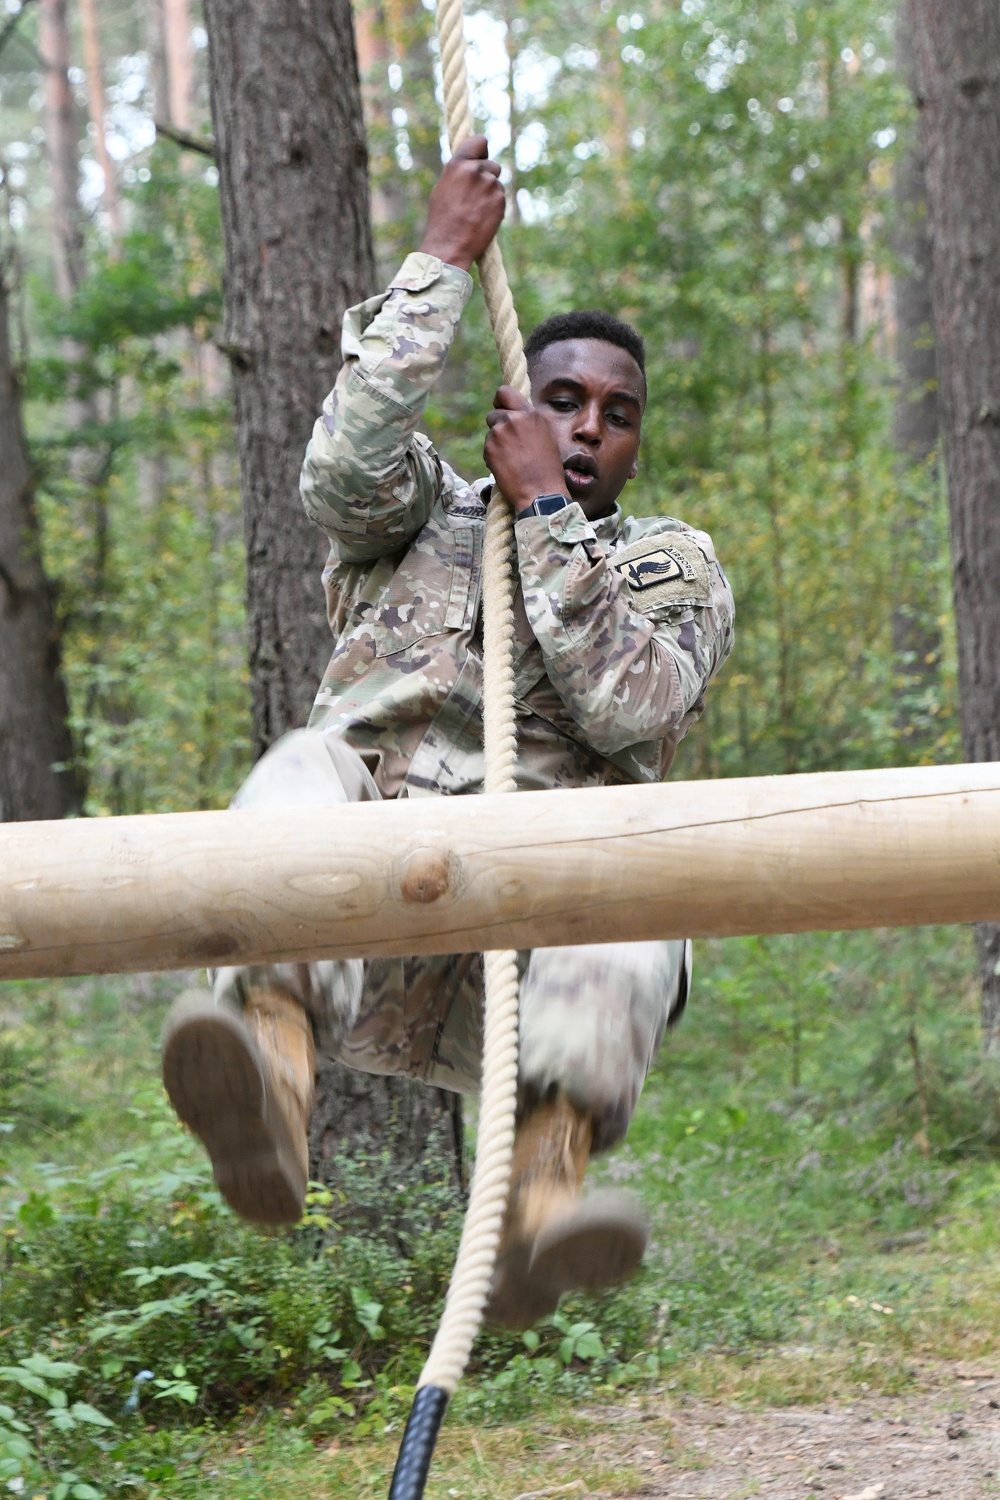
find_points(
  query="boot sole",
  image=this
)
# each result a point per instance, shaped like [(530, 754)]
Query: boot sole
[(517, 1298), (214, 1078), (598, 1243)]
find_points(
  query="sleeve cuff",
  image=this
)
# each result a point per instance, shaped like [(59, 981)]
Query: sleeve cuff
[(419, 271), (570, 525)]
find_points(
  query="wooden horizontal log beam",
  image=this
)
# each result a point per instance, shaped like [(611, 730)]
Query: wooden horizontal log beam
[(439, 874)]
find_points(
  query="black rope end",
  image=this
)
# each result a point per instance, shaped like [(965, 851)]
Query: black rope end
[(417, 1447)]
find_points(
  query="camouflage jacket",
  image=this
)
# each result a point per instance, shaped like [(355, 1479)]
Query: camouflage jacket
[(621, 622)]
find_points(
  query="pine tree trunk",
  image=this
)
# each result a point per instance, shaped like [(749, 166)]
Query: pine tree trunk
[(286, 107), (95, 95), (36, 777), (155, 30), (956, 50), (179, 60), (355, 1111), (61, 138), (916, 635)]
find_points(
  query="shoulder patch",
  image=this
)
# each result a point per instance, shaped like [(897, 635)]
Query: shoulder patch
[(666, 568)]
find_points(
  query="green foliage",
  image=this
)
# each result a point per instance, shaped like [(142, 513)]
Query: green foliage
[(577, 1341), (59, 1425), (719, 173), (43, 1377), (24, 1085), (140, 509), (779, 1147), (170, 1303), (722, 175)]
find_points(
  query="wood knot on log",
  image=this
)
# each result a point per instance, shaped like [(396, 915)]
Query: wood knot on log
[(426, 877), (214, 948)]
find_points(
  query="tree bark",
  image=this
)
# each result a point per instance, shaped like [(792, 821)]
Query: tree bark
[(156, 43), (916, 635), (36, 775), (81, 407), (288, 129), (62, 141), (356, 1111), (293, 182), (95, 95), (179, 61), (957, 75)]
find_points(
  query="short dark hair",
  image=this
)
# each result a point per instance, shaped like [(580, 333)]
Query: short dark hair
[(589, 323)]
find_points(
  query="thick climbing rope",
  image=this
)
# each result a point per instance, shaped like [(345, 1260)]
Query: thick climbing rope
[(488, 1198), (477, 1251)]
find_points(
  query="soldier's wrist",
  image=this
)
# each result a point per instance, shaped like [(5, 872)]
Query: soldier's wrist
[(547, 504), (446, 251)]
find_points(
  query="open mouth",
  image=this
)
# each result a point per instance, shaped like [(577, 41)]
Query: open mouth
[(581, 473)]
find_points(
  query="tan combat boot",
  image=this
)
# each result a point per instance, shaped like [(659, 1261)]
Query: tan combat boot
[(244, 1082), (553, 1241)]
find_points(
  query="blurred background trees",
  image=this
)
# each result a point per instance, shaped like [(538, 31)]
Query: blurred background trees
[(733, 179)]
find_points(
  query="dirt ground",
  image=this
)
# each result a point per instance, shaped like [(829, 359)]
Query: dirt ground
[(941, 1442)]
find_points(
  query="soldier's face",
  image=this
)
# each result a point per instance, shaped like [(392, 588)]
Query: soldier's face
[(592, 396)]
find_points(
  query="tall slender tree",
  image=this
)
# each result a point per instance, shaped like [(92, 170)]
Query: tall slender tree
[(95, 97), (916, 634), (179, 60), (956, 50), (62, 140), (290, 142), (38, 778), (36, 775), (286, 106)]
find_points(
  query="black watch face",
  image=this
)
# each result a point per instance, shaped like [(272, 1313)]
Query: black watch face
[(547, 505)]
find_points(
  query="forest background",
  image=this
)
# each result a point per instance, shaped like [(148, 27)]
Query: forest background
[(743, 183), (725, 179)]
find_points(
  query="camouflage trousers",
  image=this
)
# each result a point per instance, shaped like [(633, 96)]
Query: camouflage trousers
[(591, 1016)]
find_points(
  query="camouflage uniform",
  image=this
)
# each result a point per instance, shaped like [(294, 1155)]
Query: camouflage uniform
[(620, 625)]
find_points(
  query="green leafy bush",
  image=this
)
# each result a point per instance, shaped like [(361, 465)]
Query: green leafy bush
[(26, 1090), (62, 1430), (139, 1266)]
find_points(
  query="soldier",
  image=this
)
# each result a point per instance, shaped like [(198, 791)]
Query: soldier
[(620, 625)]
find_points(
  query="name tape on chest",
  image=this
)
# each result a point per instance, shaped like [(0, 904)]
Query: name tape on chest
[(669, 568)]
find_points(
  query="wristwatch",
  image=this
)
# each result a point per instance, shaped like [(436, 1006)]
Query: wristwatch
[(546, 505)]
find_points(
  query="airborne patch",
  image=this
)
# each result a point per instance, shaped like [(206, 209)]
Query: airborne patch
[(668, 568)]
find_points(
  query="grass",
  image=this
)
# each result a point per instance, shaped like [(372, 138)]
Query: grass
[(817, 1145)]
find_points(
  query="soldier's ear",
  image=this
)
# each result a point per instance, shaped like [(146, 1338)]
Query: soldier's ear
[(634, 469)]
